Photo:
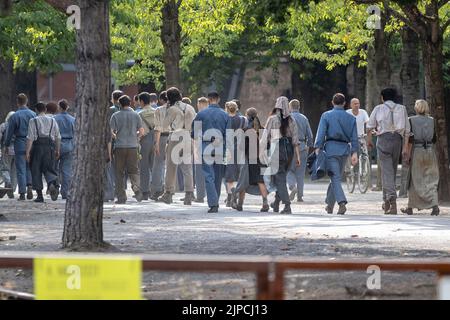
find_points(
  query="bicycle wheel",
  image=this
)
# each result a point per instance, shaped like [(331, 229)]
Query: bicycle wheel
[(350, 180), (364, 173)]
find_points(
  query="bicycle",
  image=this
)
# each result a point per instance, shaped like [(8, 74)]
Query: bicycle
[(360, 173)]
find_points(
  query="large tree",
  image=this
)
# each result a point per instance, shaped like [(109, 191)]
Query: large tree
[(83, 223), (429, 20)]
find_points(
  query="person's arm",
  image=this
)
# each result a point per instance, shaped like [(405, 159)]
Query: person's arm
[(354, 143), (371, 124), (406, 135), (109, 146), (321, 132), (31, 136), (28, 150), (10, 128), (366, 121), (57, 138), (295, 137), (309, 135), (140, 127), (157, 139)]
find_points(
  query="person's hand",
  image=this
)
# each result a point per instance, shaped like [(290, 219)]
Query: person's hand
[(354, 159), (298, 162), (57, 154), (28, 157), (317, 151), (405, 156), (157, 150)]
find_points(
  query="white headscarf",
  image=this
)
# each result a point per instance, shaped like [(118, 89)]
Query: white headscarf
[(9, 116), (283, 105)]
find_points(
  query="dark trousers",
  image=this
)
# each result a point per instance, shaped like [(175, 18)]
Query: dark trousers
[(43, 163), (279, 180)]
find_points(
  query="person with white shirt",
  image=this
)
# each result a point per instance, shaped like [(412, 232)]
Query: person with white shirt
[(390, 123), (362, 118)]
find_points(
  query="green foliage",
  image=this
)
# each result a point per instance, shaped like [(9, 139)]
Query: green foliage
[(135, 35), (34, 35), (332, 31)]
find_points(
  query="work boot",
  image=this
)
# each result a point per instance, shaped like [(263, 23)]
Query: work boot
[(392, 208), (138, 196), (213, 209), (120, 201), (408, 211), (188, 198), (329, 209), (10, 194), (435, 211), (145, 195), (156, 195), (39, 198), (342, 208), (386, 206), (265, 207), (166, 198), (29, 193), (287, 209), (54, 191), (229, 201), (21, 197), (293, 194), (198, 200), (275, 205), (299, 199)]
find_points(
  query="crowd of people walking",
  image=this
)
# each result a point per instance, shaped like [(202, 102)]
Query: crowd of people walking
[(157, 142)]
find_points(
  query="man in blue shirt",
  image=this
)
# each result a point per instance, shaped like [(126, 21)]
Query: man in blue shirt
[(66, 124), (296, 174), (337, 136), (18, 128), (214, 119)]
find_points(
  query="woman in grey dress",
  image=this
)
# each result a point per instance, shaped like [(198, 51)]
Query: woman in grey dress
[(424, 175)]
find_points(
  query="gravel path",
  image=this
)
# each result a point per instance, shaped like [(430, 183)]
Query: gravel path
[(364, 232)]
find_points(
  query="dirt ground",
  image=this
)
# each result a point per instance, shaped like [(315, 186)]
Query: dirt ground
[(154, 228)]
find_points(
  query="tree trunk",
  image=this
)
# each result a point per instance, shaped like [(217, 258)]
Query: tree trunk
[(7, 88), (378, 67), (171, 39), (410, 68), (356, 82), (372, 92), (83, 228), (434, 86)]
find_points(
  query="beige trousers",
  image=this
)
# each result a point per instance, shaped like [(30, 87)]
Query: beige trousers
[(171, 170)]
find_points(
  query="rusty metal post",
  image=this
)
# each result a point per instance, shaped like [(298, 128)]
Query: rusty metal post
[(262, 285)]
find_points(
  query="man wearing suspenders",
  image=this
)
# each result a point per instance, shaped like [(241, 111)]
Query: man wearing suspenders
[(390, 121), (43, 147), (179, 118)]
